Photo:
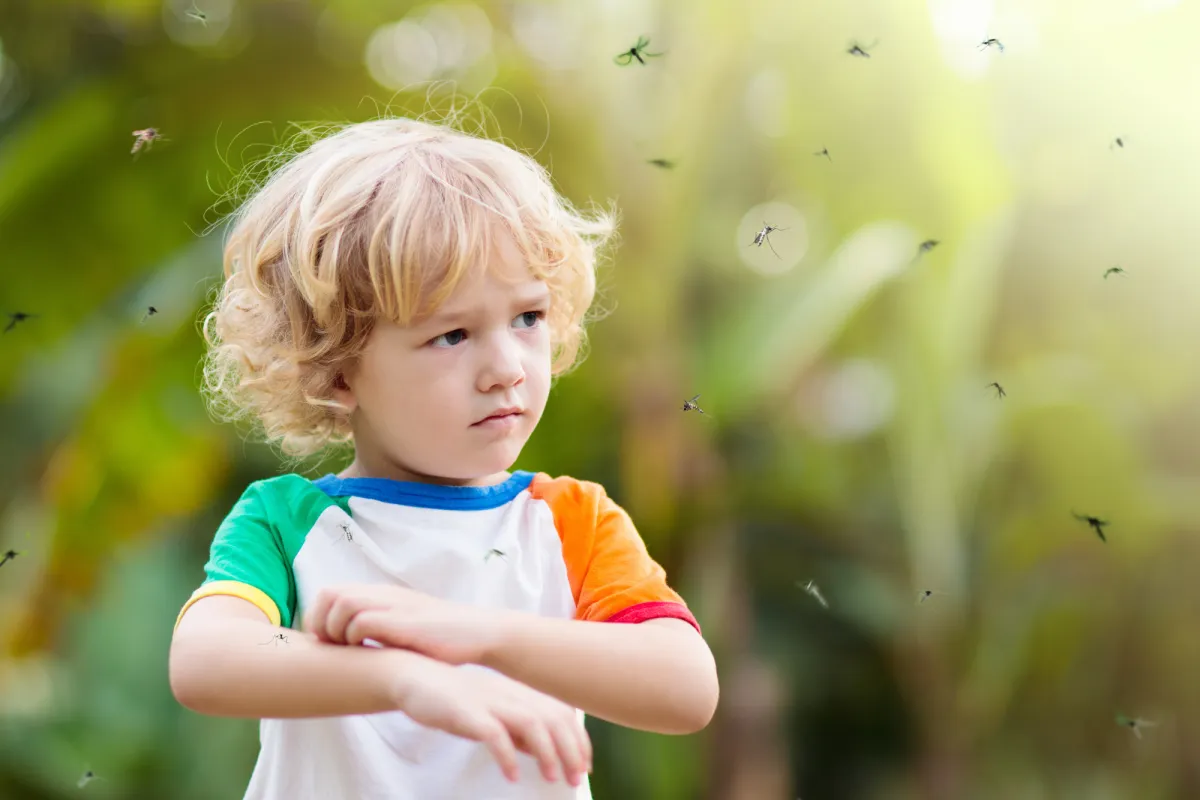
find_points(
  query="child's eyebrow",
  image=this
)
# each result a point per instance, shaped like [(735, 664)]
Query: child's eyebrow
[(531, 297), (520, 300)]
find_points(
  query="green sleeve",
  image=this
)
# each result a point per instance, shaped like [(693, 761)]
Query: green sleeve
[(248, 549), (256, 544)]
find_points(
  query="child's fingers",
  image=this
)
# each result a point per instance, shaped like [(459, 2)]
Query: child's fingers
[(311, 622), (316, 618), (587, 746), (579, 735), (338, 617), (585, 742), (570, 748), (495, 737), (371, 624), (535, 739)]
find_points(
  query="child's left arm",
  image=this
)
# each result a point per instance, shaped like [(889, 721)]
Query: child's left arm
[(657, 675)]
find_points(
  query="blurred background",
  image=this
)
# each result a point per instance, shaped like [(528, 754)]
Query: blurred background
[(851, 435)]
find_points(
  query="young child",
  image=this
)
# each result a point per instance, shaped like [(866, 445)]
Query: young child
[(425, 624)]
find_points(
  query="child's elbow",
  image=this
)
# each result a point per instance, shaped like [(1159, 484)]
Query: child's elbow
[(184, 675), (694, 703), (181, 686), (704, 705)]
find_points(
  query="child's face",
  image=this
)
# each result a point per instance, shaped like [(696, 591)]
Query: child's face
[(420, 394)]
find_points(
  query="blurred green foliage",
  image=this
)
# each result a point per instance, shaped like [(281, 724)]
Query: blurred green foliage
[(850, 436)]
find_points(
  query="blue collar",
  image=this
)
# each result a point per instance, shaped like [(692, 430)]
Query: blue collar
[(427, 495)]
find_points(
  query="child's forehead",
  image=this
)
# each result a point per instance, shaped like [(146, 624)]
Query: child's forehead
[(503, 268), (481, 290), (459, 266), (490, 288), (505, 261)]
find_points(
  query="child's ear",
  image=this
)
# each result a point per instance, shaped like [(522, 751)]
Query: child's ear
[(343, 394)]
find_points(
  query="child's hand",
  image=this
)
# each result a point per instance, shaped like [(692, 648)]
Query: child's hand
[(397, 617), (503, 714)]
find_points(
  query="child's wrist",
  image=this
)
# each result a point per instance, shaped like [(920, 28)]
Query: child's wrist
[(401, 674), (504, 629)]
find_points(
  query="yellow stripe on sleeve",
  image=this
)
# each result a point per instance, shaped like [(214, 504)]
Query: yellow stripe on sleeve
[(245, 591)]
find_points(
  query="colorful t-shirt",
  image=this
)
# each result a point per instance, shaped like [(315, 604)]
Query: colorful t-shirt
[(557, 547)]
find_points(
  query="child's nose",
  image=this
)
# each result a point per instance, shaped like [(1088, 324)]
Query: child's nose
[(502, 366)]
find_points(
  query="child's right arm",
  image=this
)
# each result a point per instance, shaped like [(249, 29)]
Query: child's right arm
[(226, 661)]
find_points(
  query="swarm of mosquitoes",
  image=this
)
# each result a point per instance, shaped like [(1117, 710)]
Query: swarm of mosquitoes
[(638, 52), (145, 138)]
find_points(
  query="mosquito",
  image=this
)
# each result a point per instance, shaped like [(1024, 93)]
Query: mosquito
[(999, 389), (9, 556), (1117, 142), (924, 248), (345, 526), (764, 236), (811, 588), (858, 50), (1095, 523), (146, 137), (824, 153), (690, 405), (637, 51), (279, 637), (1134, 724), (662, 163), (494, 552), (197, 15), (986, 43), (17, 317), (926, 594), (150, 312), (88, 777), (1113, 271)]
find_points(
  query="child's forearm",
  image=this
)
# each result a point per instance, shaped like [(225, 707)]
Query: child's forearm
[(242, 669), (654, 677)]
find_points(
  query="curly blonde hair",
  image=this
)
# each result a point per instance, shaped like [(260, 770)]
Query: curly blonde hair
[(381, 219)]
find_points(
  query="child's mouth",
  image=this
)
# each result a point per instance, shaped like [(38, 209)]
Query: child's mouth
[(499, 420)]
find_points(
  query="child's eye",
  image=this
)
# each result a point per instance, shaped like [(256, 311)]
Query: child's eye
[(530, 318), (452, 338)]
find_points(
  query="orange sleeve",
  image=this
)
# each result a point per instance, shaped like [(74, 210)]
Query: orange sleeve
[(612, 576)]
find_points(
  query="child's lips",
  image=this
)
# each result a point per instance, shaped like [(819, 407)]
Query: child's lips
[(500, 420)]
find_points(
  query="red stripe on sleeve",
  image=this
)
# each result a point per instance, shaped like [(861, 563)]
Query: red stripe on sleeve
[(655, 610)]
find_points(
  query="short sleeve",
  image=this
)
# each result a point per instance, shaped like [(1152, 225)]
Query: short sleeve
[(612, 575), (248, 560)]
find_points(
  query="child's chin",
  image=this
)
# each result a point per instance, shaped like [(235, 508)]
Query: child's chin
[(490, 462), (499, 458)]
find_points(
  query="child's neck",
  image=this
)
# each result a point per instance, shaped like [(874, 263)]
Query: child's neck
[(394, 472)]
